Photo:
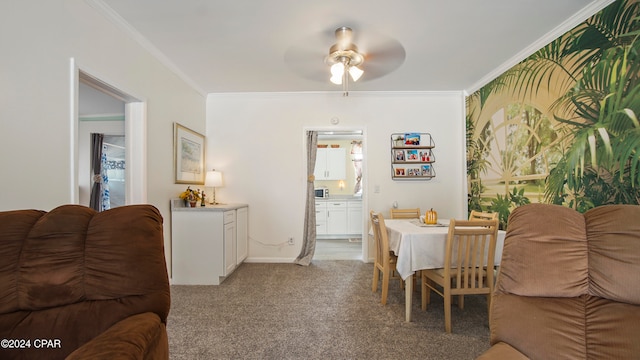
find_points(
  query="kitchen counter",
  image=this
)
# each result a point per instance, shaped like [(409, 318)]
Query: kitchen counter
[(341, 197), (178, 205)]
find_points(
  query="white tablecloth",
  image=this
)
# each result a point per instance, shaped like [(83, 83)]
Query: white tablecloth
[(419, 247)]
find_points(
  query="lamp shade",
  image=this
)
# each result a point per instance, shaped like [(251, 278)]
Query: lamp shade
[(213, 179), (337, 71), (355, 73)]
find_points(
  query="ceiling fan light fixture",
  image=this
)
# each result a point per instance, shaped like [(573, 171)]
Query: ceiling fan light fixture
[(344, 57)]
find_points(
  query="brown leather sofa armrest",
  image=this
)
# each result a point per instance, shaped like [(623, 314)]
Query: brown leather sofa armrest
[(502, 351), (141, 336)]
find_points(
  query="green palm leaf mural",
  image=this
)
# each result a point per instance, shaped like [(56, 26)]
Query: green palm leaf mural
[(587, 83)]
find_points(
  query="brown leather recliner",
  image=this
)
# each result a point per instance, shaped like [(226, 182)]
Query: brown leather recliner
[(569, 285), (78, 284)]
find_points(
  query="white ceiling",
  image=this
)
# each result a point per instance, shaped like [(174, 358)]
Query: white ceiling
[(279, 45)]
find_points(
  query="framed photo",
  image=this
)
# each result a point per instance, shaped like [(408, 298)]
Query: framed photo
[(399, 171), (188, 155), (425, 156), (412, 155), (412, 139), (399, 155)]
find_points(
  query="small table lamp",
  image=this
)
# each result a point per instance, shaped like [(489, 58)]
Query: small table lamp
[(213, 179)]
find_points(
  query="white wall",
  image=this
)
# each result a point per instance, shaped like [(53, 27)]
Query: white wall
[(38, 39), (258, 142)]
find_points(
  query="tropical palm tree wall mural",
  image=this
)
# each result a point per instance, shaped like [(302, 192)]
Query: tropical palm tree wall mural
[(562, 126)]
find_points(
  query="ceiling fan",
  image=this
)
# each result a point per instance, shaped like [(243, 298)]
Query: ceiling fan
[(377, 56)]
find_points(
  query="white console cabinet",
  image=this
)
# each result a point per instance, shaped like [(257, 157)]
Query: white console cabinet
[(207, 243)]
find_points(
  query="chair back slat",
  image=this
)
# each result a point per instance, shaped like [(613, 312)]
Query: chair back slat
[(380, 238), (405, 213), (479, 215), (469, 257)]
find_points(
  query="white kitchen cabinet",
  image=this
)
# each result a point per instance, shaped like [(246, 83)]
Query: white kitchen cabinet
[(336, 217), (330, 164), (321, 218), (354, 218), (242, 234), (207, 243), (230, 245)]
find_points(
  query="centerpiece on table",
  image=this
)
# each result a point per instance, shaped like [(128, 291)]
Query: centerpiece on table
[(190, 197)]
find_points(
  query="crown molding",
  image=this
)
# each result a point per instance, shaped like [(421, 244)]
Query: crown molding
[(560, 30), (121, 23), (338, 94)]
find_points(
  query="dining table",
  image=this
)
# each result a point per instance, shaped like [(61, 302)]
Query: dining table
[(421, 246)]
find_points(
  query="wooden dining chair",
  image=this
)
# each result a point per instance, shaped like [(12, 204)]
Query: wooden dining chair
[(479, 215), (470, 251), (385, 260), (405, 213)]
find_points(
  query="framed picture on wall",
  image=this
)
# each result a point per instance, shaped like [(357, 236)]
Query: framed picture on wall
[(188, 155), (412, 155), (412, 139)]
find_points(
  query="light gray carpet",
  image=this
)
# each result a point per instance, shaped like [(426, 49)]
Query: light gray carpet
[(324, 311)]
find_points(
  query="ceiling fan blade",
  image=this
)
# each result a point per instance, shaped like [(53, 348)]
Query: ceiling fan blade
[(307, 62), (383, 59), (306, 57)]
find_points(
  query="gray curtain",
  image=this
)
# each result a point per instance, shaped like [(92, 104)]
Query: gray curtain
[(95, 199), (309, 238)]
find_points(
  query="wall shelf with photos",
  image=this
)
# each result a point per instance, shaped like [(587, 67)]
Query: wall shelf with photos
[(412, 156)]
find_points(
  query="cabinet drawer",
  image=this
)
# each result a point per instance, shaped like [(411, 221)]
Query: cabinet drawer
[(229, 216), (354, 204), (336, 205)]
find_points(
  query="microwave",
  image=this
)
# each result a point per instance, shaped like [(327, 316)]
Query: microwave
[(322, 192)]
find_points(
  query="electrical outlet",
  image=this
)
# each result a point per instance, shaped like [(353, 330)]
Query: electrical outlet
[(290, 241)]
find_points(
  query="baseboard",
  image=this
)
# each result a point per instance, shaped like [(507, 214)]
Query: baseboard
[(268, 260)]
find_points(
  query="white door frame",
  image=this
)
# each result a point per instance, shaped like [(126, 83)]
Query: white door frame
[(135, 135), (365, 206)]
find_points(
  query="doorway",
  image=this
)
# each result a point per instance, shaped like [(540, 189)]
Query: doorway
[(340, 217), (101, 113), (132, 128)]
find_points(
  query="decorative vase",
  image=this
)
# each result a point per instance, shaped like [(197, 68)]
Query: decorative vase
[(192, 203)]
